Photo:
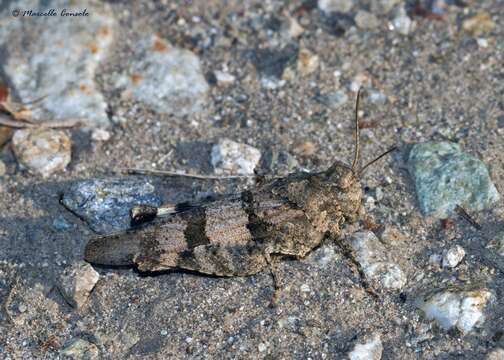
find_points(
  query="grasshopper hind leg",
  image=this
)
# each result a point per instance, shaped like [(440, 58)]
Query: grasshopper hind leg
[(219, 260)]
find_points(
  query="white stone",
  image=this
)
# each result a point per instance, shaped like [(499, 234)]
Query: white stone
[(482, 43), (42, 151), (55, 59), (453, 256), (372, 349), (262, 347), (76, 282), (230, 157), (166, 78), (460, 309), (329, 6), (373, 257), (304, 288), (100, 135), (294, 30), (402, 22), (496, 354), (224, 78)]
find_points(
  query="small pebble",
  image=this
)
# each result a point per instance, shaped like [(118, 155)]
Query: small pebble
[(370, 349), (482, 43), (376, 264), (42, 151), (76, 282), (230, 157), (496, 354), (80, 349), (366, 20), (360, 80), (164, 332), (435, 260), (401, 22), (329, 6), (308, 62), (262, 347), (304, 288), (376, 97), (61, 224), (460, 309), (224, 78), (294, 30), (3, 168), (100, 135), (333, 99), (453, 256)]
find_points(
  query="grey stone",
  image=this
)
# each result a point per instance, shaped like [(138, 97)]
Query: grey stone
[(166, 78), (80, 349), (76, 282), (61, 224), (59, 66), (376, 97), (104, 203), (333, 99), (445, 177), (42, 151), (366, 20), (375, 261), (277, 162), (230, 157)]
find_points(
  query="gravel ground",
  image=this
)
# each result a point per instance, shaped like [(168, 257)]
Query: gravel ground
[(276, 76)]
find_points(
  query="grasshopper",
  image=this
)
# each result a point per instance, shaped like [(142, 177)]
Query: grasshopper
[(239, 234)]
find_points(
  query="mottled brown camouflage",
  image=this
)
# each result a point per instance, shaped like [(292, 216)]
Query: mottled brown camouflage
[(236, 235)]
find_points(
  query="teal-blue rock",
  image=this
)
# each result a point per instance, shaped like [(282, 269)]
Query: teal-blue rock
[(445, 177)]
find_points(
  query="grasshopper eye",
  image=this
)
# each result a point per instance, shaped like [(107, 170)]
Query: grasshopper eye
[(346, 180)]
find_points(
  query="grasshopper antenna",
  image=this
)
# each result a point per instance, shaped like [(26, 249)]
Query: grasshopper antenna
[(357, 132), (361, 171)]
